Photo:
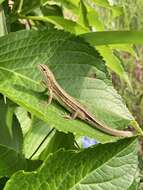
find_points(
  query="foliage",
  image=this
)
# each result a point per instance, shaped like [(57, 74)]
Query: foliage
[(38, 145), (87, 166)]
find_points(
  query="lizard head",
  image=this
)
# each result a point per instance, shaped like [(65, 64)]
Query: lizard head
[(46, 72)]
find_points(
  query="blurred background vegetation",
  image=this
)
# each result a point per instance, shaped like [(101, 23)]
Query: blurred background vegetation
[(131, 19)]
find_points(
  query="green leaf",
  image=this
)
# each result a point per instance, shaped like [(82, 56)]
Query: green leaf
[(51, 10), (94, 20), (24, 119), (106, 38), (134, 186), (38, 136), (116, 10), (113, 63), (10, 131), (61, 23), (12, 161), (124, 47), (38, 132), (11, 142), (68, 4), (82, 19), (78, 68), (58, 140), (114, 37), (93, 168), (111, 60), (136, 182), (25, 6)]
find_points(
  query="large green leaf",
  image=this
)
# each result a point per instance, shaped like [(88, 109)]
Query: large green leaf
[(11, 141), (114, 37), (78, 68), (95, 168)]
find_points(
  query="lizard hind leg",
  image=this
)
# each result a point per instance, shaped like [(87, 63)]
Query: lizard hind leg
[(76, 114)]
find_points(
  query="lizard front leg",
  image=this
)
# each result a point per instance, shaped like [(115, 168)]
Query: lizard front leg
[(50, 95), (50, 91)]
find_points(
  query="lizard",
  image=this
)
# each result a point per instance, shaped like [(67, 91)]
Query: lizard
[(73, 106)]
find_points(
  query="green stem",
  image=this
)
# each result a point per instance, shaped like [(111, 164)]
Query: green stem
[(20, 6)]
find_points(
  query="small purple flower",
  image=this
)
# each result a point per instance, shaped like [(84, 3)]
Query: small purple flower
[(87, 142)]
